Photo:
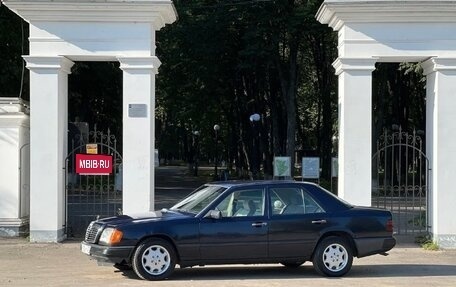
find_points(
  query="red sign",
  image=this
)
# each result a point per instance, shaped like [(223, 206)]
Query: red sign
[(93, 164)]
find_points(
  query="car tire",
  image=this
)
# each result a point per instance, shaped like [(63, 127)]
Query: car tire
[(333, 257), (154, 259), (292, 264)]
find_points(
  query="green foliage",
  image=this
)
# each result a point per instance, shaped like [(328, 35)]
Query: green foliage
[(427, 243), (225, 60), (431, 246), (398, 97), (13, 44), (95, 96)]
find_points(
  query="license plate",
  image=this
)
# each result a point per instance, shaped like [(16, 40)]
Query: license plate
[(85, 249)]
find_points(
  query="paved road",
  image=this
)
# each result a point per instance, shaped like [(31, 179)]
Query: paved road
[(172, 184), (26, 264)]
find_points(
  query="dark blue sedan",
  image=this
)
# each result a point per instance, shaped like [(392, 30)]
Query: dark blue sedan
[(244, 222)]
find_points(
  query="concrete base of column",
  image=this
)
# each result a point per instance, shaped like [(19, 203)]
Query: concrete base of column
[(47, 235), (14, 227), (445, 241)]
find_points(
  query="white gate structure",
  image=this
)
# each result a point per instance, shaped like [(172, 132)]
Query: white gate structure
[(373, 31), (65, 31), (14, 167)]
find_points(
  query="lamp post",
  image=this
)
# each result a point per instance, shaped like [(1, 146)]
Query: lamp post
[(216, 129), (195, 142), (335, 147), (254, 119)]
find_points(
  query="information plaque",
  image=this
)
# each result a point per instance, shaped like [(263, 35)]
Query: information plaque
[(137, 110)]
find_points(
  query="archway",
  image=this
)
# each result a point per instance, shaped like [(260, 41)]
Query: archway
[(65, 31), (396, 31)]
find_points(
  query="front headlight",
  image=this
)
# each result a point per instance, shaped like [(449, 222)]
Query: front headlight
[(110, 236)]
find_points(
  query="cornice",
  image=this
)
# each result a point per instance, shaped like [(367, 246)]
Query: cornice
[(10, 106), (14, 120), (336, 13), (157, 12), (438, 64), (151, 63), (49, 63), (354, 64)]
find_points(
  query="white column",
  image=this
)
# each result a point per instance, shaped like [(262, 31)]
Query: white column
[(355, 126), (48, 145), (441, 147), (138, 132), (14, 180)]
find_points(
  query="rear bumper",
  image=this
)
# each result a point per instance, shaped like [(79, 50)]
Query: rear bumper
[(110, 254), (370, 246)]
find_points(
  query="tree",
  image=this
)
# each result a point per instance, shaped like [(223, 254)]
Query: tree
[(13, 44), (237, 58)]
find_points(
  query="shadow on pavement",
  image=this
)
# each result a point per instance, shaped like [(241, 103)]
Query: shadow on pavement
[(403, 270), (232, 273), (257, 272)]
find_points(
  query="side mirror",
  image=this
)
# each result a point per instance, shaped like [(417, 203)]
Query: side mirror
[(214, 214)]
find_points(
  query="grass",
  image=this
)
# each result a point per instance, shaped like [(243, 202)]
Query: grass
[(430, 245), (427, 243)]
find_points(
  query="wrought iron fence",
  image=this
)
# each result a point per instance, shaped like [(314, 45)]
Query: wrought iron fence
[(91, 196), (400, 180)]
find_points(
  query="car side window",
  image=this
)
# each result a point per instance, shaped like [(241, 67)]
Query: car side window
[(292, 200), (243, 203)]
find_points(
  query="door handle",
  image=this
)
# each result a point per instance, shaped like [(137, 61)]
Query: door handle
[(321, 221), (259, 224)]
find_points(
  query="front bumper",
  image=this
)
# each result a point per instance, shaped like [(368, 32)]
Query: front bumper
[(110, 254), (370, 246)]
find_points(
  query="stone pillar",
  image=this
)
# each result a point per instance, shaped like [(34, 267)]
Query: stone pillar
[(138, 132), (14, 167), (48, 145), (355, 129), (441, 147)]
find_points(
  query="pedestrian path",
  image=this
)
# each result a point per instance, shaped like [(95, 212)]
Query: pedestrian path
[(173, 183)]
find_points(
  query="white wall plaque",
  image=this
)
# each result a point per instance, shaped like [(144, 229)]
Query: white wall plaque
[(137, 110), (311, 167)]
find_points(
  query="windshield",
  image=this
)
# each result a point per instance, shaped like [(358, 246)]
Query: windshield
[(199, 199)]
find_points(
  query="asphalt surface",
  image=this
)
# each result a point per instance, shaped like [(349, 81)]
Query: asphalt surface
[(26, 264), (172, 184), (31, 264)]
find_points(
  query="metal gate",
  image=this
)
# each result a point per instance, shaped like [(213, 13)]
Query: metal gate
[(89, 197), (400, 180)]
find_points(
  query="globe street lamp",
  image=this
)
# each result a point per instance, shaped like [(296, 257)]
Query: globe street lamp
[(254, 119), (216, 129)]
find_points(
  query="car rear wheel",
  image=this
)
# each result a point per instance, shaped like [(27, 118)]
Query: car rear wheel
[(333, 257), (154, 259), (292, 264)]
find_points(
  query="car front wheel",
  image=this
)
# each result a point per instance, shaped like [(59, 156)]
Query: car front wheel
[(154, 259), (333, 257)]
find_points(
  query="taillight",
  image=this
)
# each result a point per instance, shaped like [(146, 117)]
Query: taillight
[(389, 225)]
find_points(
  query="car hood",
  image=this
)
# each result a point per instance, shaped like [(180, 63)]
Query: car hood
[(144, 217)]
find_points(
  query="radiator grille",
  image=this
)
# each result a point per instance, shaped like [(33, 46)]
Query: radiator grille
[(92, 232)]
